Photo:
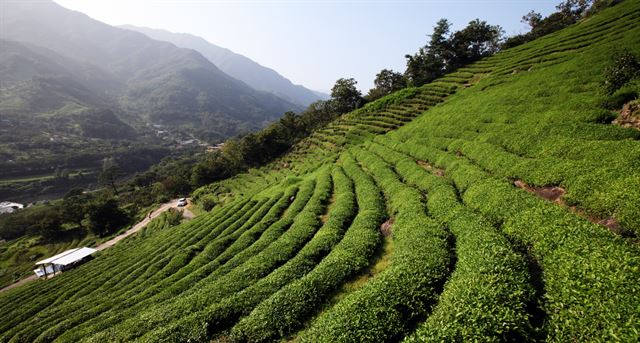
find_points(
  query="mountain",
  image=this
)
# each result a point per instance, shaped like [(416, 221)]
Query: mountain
[(44, 94), (75, 91), (158, 82), (322, 95), (237, 66), (37, 80)]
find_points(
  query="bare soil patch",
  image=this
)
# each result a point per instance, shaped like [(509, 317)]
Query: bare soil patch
[(387, 227), (550, 193), (629, 115), (427, 166), (554, 194)]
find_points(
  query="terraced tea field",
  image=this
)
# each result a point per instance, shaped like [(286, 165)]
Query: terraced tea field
[(511, 208)]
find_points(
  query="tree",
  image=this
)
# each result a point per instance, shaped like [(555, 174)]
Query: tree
[(144, 179), (105, 216), (599, 5), (533, 19), (110, 174), (568, 13), (289, 128), (446, 52), (474, 42), (440, 41), (575, 9), (41, 220), (73, 206), (386, 82), (431, 60), (317, 114), (176, 185), (345, 96), (49, 224)]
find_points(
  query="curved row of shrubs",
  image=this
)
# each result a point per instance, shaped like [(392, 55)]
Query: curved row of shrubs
[(92, 277), (488, 295), (589, 274), (195, 272), (287, 310), (385, 308), (286, 246), (144, 293), (200, 325)]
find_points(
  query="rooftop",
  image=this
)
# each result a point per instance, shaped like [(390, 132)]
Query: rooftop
[(68, 256)]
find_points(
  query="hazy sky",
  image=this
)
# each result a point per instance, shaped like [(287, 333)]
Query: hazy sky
[(313, 42)]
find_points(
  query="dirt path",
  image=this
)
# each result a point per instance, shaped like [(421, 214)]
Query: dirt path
[(164, 207), (20, 283)]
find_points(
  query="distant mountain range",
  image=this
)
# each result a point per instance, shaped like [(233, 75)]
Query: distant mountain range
[(155, 81), (74, 91), (237, 66)]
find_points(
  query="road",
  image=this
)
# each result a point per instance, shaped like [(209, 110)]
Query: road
[(164, 207)]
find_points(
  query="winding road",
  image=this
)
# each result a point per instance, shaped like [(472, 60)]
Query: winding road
[(163, 208)]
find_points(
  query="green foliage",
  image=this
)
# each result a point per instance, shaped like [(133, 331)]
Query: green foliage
[(568, 13), (173, 216), (42, 220), (385, 306), (303, 227), (207, 202), (489, 291), (624, 67), (474, 258), (110, 174), (72, 208), (447, 51), (386, 82), (346, 97), (286, 310), (217, 317), (105, 217)]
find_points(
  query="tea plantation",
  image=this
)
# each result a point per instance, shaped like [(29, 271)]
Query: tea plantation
[(458, 172)]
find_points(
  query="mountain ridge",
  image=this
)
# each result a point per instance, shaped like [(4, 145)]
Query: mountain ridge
[(158, 80), (238, 66)]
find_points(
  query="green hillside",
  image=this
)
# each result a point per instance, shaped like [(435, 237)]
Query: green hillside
[(498, 203)]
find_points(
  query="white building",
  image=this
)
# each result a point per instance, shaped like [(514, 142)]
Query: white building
[(10, 207), (63, 261)]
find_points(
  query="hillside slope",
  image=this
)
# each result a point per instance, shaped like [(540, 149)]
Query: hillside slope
[(236, 65), (42, 90), (479, 207)]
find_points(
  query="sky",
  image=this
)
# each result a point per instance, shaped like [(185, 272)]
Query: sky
[(314, 42)]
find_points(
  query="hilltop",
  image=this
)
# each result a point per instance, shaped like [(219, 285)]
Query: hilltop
[(499, 202)]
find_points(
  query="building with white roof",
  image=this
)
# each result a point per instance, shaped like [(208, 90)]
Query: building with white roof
[(63, 261), (10, 207)]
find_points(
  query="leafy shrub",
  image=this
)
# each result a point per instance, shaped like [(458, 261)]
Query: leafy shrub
[(173, 217), (619, 98), (624, 68), (207, 202), (286, 310)]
